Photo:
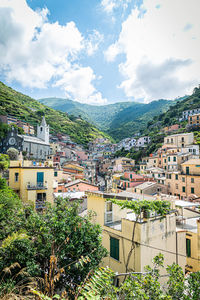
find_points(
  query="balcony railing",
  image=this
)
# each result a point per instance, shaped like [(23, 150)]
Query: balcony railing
[(39, 205), (37, 186)]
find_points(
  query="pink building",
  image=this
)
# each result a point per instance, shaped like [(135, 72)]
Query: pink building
[(131, 179), (81, 155), (80, 186)]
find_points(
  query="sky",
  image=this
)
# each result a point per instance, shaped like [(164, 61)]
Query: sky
[(100, 52)]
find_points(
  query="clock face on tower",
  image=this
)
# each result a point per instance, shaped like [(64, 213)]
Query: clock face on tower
[(12, 141)]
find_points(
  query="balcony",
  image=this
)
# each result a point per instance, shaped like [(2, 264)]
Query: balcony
[(37, 186), (40, 205)]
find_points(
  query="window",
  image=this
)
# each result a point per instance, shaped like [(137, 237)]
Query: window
[(192, 190), (183, 189), (55, 173), (131, 176), (176, 176), (41, 197), (177, 186), (174, 158), (16, 177), (172, 141), (169, 158), (182, 139), (40, 179), (188, 247), (187, 170), (183, 179), (114, 248), (165, 160), (109, 212), (170, 176), (192, 180)]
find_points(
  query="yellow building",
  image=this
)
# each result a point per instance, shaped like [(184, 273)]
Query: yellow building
[(32, 181), (189, 222), (127, 164), (179, 140), (55, 148), (153, 235), (186, 182), (194, 120)]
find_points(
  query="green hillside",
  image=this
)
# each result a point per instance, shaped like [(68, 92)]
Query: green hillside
[(30, 110), (174, 113), (119, 120), (170, 117), (101, 116)]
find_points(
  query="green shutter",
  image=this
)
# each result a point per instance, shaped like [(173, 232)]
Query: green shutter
[(40, 178), (188, 247), (114, 248), (192, 190)]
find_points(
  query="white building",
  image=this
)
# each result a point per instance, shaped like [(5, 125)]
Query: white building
[(187, 113), (143, 141)]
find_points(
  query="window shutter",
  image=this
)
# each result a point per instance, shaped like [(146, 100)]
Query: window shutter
[(188, 247)]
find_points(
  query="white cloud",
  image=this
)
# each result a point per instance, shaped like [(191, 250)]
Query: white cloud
[(77, 83), (110, 5), (161, 44), (36, 52), (93, 42)]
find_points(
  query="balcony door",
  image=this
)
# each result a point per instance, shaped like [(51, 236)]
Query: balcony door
[(40, 179), (108, 212)]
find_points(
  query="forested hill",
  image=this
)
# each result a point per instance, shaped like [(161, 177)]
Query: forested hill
[(174, 113), (30, 110), (119, 120)]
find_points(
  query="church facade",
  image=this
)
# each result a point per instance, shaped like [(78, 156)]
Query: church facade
[(36, 147)]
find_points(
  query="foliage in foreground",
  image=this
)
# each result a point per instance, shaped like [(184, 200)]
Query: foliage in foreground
[(30, 239), (137, 286)]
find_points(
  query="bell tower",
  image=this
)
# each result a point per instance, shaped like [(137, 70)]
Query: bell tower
[(43, 131)]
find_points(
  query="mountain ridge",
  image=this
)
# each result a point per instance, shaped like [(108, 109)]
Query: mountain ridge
[(31, 110), (119, 120)]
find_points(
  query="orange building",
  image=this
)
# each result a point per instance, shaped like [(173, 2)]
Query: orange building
[(194, 120), (74, 170)]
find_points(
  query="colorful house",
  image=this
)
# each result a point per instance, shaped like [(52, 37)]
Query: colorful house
[(153, 235), (33, 182)]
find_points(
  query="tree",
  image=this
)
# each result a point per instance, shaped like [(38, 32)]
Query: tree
[(58, 231), (4, 162), (13, 153)]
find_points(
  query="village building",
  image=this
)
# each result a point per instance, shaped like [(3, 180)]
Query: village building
[(34, 147), (80, 186), (74, 170), (188, 220), (153, 234), (186, 182), (194, 120), (187, 113), (32, 181), (179, 140)]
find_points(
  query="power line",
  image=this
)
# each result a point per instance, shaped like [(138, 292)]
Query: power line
[(152, 247)]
